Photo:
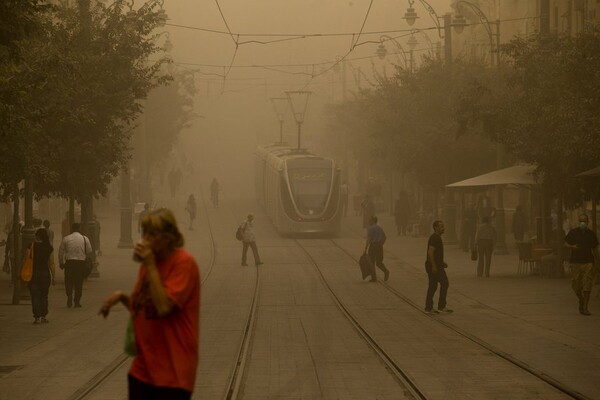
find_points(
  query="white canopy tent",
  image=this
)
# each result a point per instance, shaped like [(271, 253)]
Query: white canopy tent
[(515, 175)]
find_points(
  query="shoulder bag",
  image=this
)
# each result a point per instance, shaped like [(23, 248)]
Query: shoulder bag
[(27, 268), (88, 259)]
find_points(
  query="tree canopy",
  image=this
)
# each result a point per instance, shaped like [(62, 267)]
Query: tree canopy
[(72, 94)]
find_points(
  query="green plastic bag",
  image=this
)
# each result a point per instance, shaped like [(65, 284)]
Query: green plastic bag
[(130, 348)]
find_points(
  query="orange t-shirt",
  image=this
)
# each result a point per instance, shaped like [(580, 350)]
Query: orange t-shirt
[(167, 347)]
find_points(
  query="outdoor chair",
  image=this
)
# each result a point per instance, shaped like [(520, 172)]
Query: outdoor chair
[(526, 260)]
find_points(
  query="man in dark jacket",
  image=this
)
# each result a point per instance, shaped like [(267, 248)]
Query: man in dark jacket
[(584, 253)]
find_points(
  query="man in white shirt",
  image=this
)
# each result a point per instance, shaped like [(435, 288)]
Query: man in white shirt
[(71, 257), (249, 240)]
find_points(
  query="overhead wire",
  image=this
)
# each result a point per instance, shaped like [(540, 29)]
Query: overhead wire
[(363, 24)]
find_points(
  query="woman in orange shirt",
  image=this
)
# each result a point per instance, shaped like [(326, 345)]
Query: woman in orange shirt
[(165, 310)]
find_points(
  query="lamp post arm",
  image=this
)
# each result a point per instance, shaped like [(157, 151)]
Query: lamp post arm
[(384, 38), (486, 24), (426, 36), (432, 14)]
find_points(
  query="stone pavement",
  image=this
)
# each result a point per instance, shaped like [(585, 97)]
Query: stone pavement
[(301, 340)]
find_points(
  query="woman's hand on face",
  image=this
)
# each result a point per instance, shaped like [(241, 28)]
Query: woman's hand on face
[(144, 252)]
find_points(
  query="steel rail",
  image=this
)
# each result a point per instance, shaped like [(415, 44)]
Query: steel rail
[(397, 372), (482, 343)]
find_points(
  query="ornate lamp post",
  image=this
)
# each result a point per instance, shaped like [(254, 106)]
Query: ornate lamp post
[(125, 239), (411, 16), (460, 22), (449, 212), (280, 105), (298, 101), (381, 51)]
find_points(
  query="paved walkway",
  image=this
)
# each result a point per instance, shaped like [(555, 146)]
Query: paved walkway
[(529, 317)]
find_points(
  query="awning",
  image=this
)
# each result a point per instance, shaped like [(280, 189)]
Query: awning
[(591, 172), (516, 175)]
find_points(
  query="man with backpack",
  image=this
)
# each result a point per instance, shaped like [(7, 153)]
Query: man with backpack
[(246, 229)]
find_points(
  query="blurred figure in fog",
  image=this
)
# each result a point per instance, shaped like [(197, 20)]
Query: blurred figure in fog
[(65, 226), (9, 250), (519, 224), (368, 210), (344, 192), (401, 213), (43, 275), (172, 182), (214, 192), (97, 236), (190, 207), (484, 207), (583, 243), (49, 231), (486, 240), (469, 228), (249, 240), (164, 309), (71, 258), (145, 211)]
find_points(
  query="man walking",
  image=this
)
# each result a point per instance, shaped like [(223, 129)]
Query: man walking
[(436, 270), (249, 240), (584, 251), (344, 193), (374, 248), (71, 257), (486, 240)]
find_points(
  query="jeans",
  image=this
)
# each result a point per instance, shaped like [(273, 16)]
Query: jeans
[(254, 252), (376, 255), (441, 278)]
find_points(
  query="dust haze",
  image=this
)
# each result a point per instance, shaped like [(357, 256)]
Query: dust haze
[(234, 113)]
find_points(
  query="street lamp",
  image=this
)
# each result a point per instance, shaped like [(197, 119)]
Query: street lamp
[(460, 22), (298, 102), (280, 105), (412, 41), (381, 51), (410, 16)]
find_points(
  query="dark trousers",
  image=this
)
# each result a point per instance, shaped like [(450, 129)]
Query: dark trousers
[(139, 390), (441, 278), (376, 255), (485, 247), (467, 241), (38, 288), (254, 252), (74, 276)]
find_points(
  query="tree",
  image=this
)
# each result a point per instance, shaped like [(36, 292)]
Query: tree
[(409, 121), (546, 110)]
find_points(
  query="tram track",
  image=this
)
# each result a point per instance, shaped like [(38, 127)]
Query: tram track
[(555, 383), (238, 374), (410, 387)]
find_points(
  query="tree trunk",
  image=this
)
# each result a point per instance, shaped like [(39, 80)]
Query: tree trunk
[(16, 279)]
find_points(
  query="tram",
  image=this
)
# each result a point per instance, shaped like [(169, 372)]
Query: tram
[(300, 191)]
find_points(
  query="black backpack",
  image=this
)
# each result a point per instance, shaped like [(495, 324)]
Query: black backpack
[(239, 234)]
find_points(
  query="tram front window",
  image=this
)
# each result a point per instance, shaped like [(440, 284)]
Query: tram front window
[(310, 189)]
